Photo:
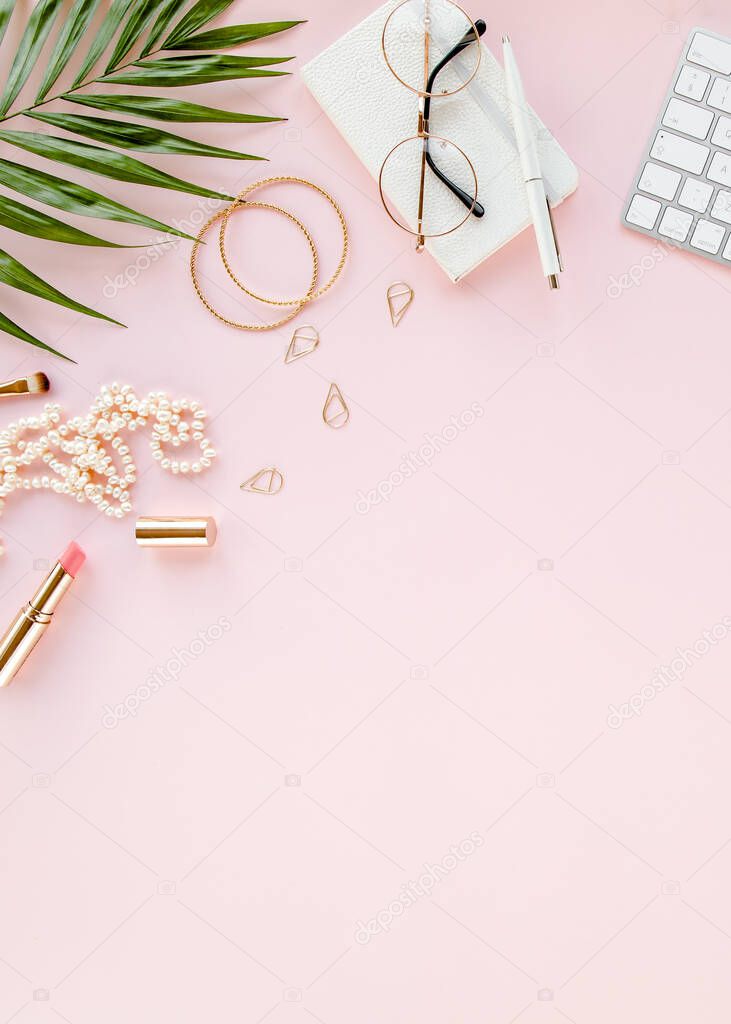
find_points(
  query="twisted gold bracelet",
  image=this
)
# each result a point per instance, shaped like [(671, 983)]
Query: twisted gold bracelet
[(194, 256), (241, 198)]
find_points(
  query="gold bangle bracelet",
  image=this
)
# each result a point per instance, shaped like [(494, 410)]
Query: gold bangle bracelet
[(242, 200), (297, 305)]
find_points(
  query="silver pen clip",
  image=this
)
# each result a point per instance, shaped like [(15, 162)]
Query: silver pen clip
[(553, 232)]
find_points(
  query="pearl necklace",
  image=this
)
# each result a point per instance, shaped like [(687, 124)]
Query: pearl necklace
[(78, 455)]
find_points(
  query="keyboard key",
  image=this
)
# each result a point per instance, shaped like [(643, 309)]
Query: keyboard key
[(695, 195), (659, 181), (688, 118), (727, 251), (720, 169), (720, 95), (680, 152), (692, 82), (722, 133), (643, 212), (707, 236), (710, 53), (675, 224), (722, 206)]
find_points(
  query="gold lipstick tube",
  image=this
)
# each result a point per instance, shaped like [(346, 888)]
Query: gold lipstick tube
[(176, 531), (32, 621)]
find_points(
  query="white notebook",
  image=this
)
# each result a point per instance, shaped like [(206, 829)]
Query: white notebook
[(373, 112)]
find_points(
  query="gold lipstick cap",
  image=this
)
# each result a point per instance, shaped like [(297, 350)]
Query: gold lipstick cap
[(176, 531)]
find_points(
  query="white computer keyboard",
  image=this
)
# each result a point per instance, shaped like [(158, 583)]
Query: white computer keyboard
[(682, 191)]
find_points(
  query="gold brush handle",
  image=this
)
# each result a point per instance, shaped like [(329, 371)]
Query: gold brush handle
[(14, 387)]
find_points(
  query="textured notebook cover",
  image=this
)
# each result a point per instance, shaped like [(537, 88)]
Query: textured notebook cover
[(373, 112)]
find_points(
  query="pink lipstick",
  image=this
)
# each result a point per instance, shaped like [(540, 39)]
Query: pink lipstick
[(32, 621)]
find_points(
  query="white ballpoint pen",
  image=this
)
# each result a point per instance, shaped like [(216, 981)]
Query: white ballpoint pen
[(540, 211)]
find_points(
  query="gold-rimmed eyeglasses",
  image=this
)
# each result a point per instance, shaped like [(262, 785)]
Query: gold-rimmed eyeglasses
[(428, 185)]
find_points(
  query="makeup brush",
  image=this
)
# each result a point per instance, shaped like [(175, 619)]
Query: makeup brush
[(36, 384)]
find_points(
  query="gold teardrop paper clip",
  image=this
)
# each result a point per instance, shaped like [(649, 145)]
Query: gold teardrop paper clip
[(335, 412), (397, 291), (266, 481), (309, 337)]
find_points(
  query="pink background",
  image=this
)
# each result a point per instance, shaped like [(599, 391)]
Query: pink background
[(395, 681)]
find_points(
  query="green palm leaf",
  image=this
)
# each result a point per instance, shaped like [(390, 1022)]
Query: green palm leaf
[(36, 32), (142, 14), (127, 26), (233, 35), (73, 198), (168, 12), (6, 9), (75, 25), (174, 71), (198, 16), (14, 274), (163, 109), (104, 162), (7, 325), (101, 40), (29, 221), (135, 136)]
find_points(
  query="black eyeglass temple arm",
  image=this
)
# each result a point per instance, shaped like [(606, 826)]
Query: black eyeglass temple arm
[(478, 210), (475, 206)]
